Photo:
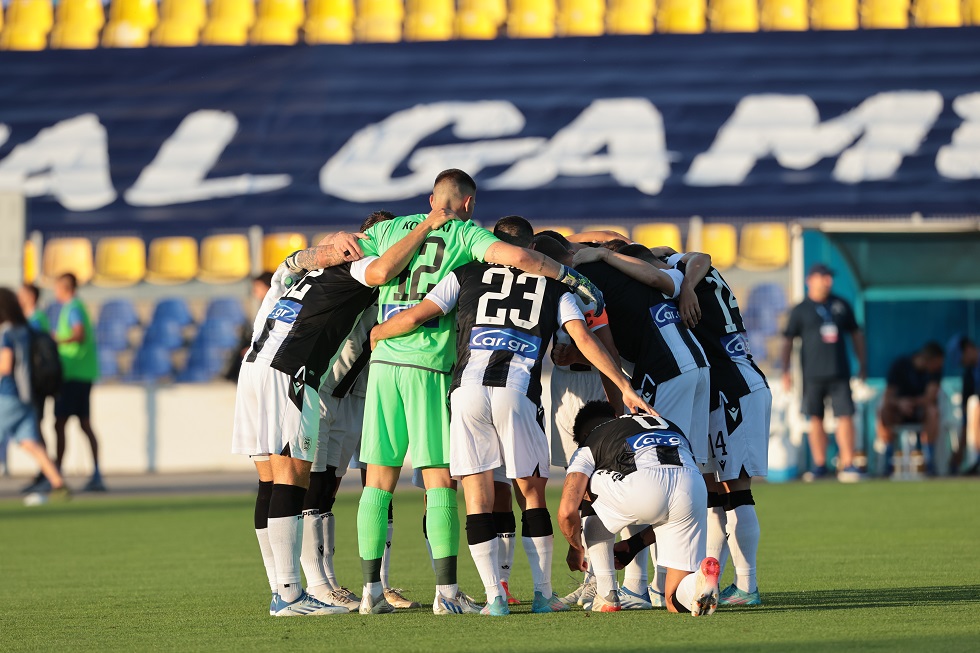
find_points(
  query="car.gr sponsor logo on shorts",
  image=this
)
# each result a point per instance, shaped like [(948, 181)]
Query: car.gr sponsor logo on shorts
[(285, 310), (658, 439), (489, 338), (736, 345), (665, 314)]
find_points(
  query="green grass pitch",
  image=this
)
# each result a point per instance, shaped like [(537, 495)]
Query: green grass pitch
[(870, 567)]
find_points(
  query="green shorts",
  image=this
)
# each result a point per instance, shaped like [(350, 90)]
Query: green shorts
[(405, 411)]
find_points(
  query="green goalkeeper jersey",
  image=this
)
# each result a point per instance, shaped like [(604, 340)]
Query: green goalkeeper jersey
[(433, 345)]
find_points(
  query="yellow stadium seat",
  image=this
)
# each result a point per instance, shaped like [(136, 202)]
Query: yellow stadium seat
[(119, 261), (174, 260), (885, 14), (564, 231), (581, 17), (276, 247), (681, 16), (289, 12), (30, 262), (721, 242), (764, 246), (236, 12), (937, 13), (1, 17), (329, 21), (143, 13), (733, 15), (193, 13), (70, 36), (80, 12), (174, 34), (531, 19), (834, 14), (33, 15), (615, 228), (73, 255), (125, 35), (429, 20), (495, 9), (658, 234), (22, 38), (339, 9), (630, 17), (475, 25), (224, 32), (379, 21), (224, 258), (268, 31), (785, 15), (971, 12)]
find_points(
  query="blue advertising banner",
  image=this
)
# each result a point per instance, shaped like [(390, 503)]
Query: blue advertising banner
[(748, 125)]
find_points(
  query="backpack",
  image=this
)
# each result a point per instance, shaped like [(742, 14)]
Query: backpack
[(46, 372)]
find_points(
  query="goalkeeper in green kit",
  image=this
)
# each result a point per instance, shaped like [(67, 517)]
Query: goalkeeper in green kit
[(405, 409)]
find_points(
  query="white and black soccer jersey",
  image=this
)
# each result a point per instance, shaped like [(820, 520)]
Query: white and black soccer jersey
[(646, 326), (504, 321), (722, 335), (350, 362), (307, 326)]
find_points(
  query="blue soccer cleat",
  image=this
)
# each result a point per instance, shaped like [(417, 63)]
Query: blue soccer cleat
[(544, 604)]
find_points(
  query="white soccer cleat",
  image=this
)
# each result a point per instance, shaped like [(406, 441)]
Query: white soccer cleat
[(460, 604), (706, 588), (609, 603), (588, 593), (346, 598), (374, 604), (631, 601), (656, 598), (272, 604), (304, 606), (397, 599)]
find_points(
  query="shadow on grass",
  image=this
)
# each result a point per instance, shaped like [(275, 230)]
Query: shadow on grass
[(848, 599)]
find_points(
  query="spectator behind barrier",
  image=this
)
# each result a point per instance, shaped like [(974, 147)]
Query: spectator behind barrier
[(969, 436)]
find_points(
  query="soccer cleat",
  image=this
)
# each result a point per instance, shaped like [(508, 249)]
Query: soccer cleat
[(35, 499), (544, 604), (345, 598), (496, 608), (583, 595), (59, 494), (850, 474), (304, 606), (656, 598), (732, 595), (705, 588), (396, 599), (39, 484), (94, 484), (374, 605), (575, 596), (510, 599), (631, 601), (609, 603), (815, 474), (459, 604), (272, 604)]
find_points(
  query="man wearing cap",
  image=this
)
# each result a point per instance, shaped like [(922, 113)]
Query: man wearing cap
[(820, 322)]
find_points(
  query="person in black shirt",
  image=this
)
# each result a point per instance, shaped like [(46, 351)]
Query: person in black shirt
[(912, 396), (820, 322)]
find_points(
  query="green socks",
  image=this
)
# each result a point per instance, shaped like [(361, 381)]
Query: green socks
[(442, 522), (372, 531)]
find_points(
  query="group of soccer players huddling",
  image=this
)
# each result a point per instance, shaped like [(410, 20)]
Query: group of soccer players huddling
[(424, 335)]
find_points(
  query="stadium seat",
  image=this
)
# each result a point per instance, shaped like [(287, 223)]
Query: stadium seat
[(379, 21), (224, 258), (22, 38), (226, 308), (617, 228), (172, 260), (429, 20), (143, 13), (78, 13), (834, 14), (276, 247), (219, 333), (657, 234), (151, 364), (495, 9), (72, 36), (785, 15), (125, 35), (681, 16), (762, 308), (531, 19), (111, 336), (290, 12), (733, 15), (224, 32), (474, 25), (764, 246), (30, 262), (108, 363), (270, 31), (204, 364), (235, 12), (937, 13), (173, 310), (721, 242), (119, 261), (118, 311), (164, 333), (971, 12), (564, 231), (32, 15), (175, 34), (193, 13), (73, 255), (329, 21), (630, 17), (885, 14), (581, 17)]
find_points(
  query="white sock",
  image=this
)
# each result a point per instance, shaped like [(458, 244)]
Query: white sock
[(744, 526), (485, 555), (386, 556), (328, 524), (448, 591), (602, 561), (635, 576), (312, 555), (717, 536), (265, 547), (505, 557), (375, 590), (685, 591), (286, 538), (540, 551)]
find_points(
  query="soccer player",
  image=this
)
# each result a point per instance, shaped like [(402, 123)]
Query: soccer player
[(504, 317), (405, 408), (276, 410), (638, 469)]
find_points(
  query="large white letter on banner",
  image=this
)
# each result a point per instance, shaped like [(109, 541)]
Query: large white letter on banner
[(787, 127), (68, 160), (631, 130), (362, 170), (961, 158), (177, 173)]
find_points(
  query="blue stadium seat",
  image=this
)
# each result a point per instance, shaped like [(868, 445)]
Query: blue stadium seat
[(118, 311), (108, 363), (765, 304), (204, 364), (174, 310), (151, 364), (112, 336), (165, 335), (220, 333), (226, 308)]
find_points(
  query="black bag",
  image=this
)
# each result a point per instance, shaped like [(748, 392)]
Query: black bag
[(46, 372)]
